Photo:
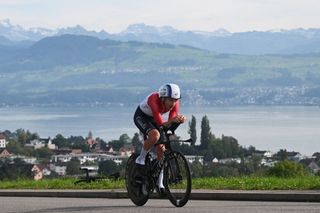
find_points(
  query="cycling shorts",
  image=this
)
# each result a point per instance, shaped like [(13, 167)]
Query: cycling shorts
[(144, 122)]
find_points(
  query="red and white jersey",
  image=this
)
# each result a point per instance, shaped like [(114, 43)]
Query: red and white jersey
[(154, 107)]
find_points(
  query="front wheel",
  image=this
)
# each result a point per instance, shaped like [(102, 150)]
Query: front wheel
[(177, 179), (135, 190)]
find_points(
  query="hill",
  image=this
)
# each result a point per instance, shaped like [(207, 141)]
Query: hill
[(84, 69)]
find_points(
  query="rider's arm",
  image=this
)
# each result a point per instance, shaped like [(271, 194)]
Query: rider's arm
[(153, 103), (174, 111), (174, 117)]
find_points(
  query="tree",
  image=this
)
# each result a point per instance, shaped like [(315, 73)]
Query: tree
[(22, 136), (205, 133), (282, 154), (124, 138), (230, 146), (192, 130), (16, 170), (117, 144), (81, 145), (34, 136), (137, 144), (43, 152), (215, 149), (108, 167), (14, 147), (196, 169), (73, 167), (78, 142), (60, 141)]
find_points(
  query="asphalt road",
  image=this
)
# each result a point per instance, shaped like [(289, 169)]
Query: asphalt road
[(99, 205)]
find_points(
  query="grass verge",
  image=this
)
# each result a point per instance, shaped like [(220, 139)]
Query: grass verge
[(232, 183)]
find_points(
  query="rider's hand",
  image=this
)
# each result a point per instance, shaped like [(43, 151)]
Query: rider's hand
[(180, 119)]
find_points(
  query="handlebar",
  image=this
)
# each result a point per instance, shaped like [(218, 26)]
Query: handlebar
[(165, 137)]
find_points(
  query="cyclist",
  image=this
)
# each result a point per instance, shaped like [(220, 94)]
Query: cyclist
[(148, 118)]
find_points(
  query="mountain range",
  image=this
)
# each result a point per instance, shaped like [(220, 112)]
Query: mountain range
[(296, 41)]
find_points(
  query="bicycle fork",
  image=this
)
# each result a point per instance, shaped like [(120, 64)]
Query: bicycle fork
[(175, 176)]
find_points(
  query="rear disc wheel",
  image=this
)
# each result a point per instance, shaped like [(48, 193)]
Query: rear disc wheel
[(138, 192)]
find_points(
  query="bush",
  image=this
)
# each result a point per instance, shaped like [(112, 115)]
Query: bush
[(108, 167), (287, 169)]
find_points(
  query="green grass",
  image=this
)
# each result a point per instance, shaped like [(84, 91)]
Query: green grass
[(232, 183), (62, 183), (258, 183)]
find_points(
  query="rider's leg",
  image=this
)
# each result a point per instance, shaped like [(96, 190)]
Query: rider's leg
[(153, 137), (160, 151), (160, 180)]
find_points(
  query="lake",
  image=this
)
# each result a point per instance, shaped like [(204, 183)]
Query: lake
[(295, 128)]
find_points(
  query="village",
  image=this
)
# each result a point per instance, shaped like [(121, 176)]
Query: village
[(100, 152)]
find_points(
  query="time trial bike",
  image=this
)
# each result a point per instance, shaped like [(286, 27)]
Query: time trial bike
[(176, 174)]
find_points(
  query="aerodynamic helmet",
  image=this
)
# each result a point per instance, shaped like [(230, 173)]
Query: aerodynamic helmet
[(169, 91)]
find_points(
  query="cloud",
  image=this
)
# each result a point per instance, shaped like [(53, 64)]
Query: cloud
[(207, 15)]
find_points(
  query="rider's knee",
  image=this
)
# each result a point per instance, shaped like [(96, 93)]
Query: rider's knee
[(160, 150), (154, 135)]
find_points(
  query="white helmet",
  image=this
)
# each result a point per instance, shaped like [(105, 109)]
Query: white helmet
[(169, 91)]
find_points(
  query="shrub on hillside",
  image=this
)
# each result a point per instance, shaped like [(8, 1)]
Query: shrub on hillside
[(286, 169)]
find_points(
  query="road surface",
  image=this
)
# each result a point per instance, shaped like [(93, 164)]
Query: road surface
[(100, 205)]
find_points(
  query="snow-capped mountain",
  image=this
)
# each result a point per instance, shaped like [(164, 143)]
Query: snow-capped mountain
[(142, 29), (276, 41), (79, 30), (18, 33)]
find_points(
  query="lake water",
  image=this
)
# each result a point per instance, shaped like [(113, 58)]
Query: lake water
[(266, 128)]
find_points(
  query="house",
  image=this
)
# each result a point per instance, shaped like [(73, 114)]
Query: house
[(37, 172), (60, 170), (294, 156), (126, 150), (4, 153), (109, 149), (268, 162), (35, 144), (88, 157), (62, 151), (26, 159), (118, 159), (230, 160), (215, 160), (61, 158), (316, 155), (314, 167), (46, 172), (3, 141), (91, 142), (100, 146), (311, 164), (40, 143), (193, 158), (51, 145), (263, 154), (76, 151), (30, 160)]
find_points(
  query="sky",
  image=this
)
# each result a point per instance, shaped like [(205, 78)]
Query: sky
[(115, 16)]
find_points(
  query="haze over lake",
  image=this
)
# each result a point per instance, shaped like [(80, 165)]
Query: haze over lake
[(266, 128)]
